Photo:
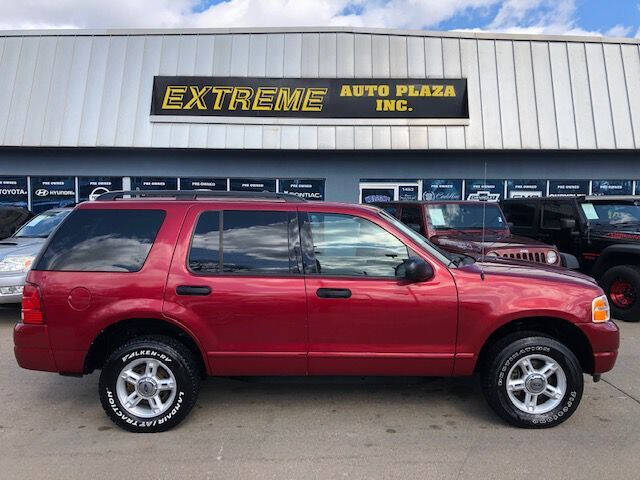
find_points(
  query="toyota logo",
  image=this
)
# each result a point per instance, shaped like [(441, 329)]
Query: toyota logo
[(42, 192)]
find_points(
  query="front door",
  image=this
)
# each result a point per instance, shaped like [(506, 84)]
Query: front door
[(363, 320), (237, 283)]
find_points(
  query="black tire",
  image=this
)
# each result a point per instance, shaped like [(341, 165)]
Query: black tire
[(174, 357), (631, 275), (505, 354)]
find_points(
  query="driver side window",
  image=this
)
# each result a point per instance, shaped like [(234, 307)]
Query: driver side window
[(354, 246)]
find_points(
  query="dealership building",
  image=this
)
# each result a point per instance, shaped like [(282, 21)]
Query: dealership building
[(340, 114)]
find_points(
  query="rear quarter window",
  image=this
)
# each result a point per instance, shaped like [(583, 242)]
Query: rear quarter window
[(102, 241)]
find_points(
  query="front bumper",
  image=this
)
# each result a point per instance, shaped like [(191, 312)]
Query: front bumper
[(12, 281), (605, 341)]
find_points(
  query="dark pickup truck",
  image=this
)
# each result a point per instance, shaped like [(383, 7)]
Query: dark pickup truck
[(603, 232), (457, 226)]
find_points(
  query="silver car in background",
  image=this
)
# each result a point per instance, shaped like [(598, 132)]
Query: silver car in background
[(18, 252)]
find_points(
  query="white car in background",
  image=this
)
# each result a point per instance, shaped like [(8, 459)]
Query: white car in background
[(18, 252)]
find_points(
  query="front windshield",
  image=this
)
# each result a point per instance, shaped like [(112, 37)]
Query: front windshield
[(437, 252), (611, 213), (465, 216), (42, 225)]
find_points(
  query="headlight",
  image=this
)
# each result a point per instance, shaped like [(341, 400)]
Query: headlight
[(600, 309), (552, 257), (492, 254), (16, 263)]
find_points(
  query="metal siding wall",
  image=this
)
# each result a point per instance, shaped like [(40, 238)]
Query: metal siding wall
[(96, 90)]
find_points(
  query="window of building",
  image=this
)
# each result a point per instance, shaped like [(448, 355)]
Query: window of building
[(354, 246), (252, 242), (103, 241)]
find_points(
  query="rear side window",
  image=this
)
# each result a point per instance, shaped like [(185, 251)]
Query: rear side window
[(242, 241), (102, 241), (554, 212), (411, 217)]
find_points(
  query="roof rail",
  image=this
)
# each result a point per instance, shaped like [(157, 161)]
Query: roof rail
[(195, 194)]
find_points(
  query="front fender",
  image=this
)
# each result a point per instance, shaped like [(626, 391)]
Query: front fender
[(606, 257)]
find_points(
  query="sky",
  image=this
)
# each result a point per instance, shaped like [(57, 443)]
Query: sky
[(574, 17)]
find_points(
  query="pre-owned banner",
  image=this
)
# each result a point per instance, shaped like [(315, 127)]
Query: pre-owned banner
[(526, 188), (310, 189), (612, 187), (90, 188), (52, 192), (154, 183), (253, 184), (486, 190), (441, 189), (203, 183), (310, 97), (566, 188), (13, 191)]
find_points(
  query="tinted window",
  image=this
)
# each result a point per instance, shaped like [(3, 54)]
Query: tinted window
[(204, 255), (252, 242), (411, 217), (42, 225), (555, 211), (347, 245), (103, 241), (521, 214)]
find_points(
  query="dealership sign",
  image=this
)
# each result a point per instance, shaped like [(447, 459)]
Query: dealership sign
[(309, 100), (13, 191)]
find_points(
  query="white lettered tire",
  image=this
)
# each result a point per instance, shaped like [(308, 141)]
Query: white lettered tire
[(532, 381), (149, 384)]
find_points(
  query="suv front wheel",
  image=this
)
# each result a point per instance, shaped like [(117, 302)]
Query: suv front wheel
[(149, 384), (532, 381)]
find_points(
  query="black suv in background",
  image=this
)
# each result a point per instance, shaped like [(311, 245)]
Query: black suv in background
[(602, 232)]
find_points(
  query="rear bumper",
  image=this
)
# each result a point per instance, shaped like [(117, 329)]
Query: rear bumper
[(32, 349), (605, 340)]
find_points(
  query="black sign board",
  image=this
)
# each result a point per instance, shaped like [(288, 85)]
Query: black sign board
[(408, 193), (52, 192), (253, 184), (565, 188), (486, 190), (526, 188), (310, 97), (441, 189), (90, 188), (154, 183), (310, 189), (13, 191), (203, 183), (370, 195), (611, 187)]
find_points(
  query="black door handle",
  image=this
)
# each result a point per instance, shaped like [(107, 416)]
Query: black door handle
[(193, 290), (333, 293)]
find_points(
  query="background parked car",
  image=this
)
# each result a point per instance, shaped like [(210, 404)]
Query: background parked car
[(456, 226), (11, 218), (602, 232), (18, 252)]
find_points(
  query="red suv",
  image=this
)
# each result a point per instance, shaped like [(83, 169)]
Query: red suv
[(160, 289)]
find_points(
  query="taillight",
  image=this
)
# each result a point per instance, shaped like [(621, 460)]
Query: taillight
[(31, 305)]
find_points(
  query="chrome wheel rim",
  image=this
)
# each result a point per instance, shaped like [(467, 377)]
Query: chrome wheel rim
[(146, 387), (536, 384)]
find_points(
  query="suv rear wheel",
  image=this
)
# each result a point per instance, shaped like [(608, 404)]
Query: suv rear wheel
[(149, 384), (532, 381), (622, 284)]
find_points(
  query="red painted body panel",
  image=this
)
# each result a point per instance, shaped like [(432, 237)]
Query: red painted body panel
[(253, 325)]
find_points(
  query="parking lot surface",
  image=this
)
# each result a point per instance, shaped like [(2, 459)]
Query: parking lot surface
[(54, 427)]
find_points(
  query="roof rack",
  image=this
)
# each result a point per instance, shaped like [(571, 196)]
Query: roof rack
[(195, 194)]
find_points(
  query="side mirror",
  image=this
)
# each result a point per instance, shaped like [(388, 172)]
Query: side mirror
[(567, 224), (416, 270)]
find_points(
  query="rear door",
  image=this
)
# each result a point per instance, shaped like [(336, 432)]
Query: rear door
[(236, 278)]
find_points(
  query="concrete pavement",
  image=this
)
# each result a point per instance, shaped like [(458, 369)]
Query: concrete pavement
[(54, 427)]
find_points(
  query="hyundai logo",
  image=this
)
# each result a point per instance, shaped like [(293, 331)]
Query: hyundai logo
[(42, 192)]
